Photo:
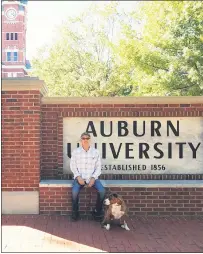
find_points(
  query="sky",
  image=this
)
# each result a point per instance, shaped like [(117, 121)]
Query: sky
[(44, 16)]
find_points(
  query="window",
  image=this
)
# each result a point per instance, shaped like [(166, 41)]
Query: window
[(12, 36), (9, 74), (15, 56), (8, 56), (12, 56), (21, 8)]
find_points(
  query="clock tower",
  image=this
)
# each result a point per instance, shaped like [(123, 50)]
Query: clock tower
[(14, 23)]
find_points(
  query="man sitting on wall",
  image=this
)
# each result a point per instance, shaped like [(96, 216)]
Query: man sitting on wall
[(86, 166)]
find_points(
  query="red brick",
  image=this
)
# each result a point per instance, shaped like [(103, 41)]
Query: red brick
[(153, 197), (195, 209), (146, 201), (184, 193), (146, 193), (153, 205), (172, 209), (184, 209), (152, 189), (177, 205), (196, 201), (196, 105), (158, 193), (189, 213), (199, 205), (160, 209), (147, 209), (158, 201), (196, 193)]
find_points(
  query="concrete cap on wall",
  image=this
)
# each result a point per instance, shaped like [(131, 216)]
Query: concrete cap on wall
[(125, 100), (33, 83), (24, 84)]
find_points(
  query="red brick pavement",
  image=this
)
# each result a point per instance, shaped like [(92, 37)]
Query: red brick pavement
[(40, 233)]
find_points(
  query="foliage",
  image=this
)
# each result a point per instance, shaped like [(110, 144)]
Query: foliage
[(157, 49), (166, 57), (81, 62)]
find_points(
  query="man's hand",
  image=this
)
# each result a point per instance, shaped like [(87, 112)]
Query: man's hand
[(91, 183), (80, 180)]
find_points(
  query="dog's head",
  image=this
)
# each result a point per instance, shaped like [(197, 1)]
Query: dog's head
[(111, 199)]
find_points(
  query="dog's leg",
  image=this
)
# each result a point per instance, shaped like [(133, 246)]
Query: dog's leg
[(125, 226), (107, 227), (122, 221), (106, 221), (106, 224)]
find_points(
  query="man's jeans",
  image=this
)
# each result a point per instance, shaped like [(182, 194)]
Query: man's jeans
[(100, 195)]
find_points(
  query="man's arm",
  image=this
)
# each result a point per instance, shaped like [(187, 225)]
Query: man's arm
[(97, 171), (73, 165)]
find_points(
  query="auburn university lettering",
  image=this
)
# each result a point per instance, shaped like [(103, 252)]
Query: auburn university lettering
[(136, 149)]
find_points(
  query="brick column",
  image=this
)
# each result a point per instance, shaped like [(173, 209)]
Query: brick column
[(21, 138)]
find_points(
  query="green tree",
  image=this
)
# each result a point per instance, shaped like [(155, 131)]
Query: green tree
[(159, 51), (165, 56), (81, 62)]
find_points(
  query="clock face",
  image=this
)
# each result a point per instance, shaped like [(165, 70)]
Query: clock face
[(11, 14)]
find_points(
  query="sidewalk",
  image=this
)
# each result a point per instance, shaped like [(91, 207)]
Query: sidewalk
[(40, 233)]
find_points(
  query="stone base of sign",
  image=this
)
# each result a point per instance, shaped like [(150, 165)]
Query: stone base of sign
[(143, 198), (20, 202)]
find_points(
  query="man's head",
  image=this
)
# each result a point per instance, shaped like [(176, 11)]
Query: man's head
[(85, 138)]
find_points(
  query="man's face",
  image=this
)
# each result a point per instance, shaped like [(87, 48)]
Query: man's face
[(85, 140)]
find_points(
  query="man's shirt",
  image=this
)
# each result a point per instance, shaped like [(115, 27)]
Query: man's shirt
[(86, 164)]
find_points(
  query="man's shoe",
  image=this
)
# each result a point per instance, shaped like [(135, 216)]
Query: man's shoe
[(75, 216), (98, 216)]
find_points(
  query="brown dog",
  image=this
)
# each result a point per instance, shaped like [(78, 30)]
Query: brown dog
[(115, 209)]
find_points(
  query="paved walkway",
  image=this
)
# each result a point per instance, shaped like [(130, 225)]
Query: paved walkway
[(39, 233)]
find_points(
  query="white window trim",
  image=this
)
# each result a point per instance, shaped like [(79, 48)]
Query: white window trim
[(12, 32), (13, 66), (14, 2), (9, 2), (11, 22), (11, 50), (6, 72)]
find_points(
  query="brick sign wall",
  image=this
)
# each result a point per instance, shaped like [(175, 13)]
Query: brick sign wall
[(32, 151), (55, 111)]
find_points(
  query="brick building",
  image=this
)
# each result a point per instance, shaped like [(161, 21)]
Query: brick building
[(14, 25)]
